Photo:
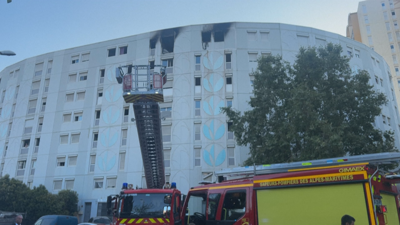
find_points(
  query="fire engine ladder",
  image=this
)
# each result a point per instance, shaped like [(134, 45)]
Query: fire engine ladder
[(143, 87), (249, 171)]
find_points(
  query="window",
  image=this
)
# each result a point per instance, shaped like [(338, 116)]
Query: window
[(98, 183), (80, 96), (111, 182), (366, 19), (49, 66), (252, 57), (32, 106), (167, 158), (64, 139), (197, 158), (46, 85), (197, 60), (123, 50), (122, 161), (231, 156), (43, 105), (168, 62), (85, 57), (368, 30), (393, 14), (213, 202), (33, 163), (69, 184), (35, 88), (387, 26), (75, 59), (16, 92), (229, 103), (394, 59), (72, 78), (124, 136), (57, 184), (95, 139), (264, 36), (197, 135), (111, 52), (197, 108), (234, 205), (40, 124), (388, 121), (384, 119), (61, 161), (25, 146), (92, 163), (370, 41), (70, 97), (3, 96), (219, 36), (67, 118), (229, 80), (37, 144), (230, 133), (376, 80), (251, 36), (75, 138), (228, 62), (381, 82), (357, 53), (126, 114), (77, 117), (102, 72), (391, 4), (197, 81), (397, 71), (99, 97), (38, 69), (28, 126), (364, 9), (97, 117), (9, 129), (166, 133), (395, 25), (83, 76), (21, 164), (153, 47)]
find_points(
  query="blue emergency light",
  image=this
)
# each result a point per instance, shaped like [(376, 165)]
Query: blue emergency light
[(173, 185), (125, 186)]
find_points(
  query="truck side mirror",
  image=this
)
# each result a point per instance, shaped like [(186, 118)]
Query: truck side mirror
[(167, 199)]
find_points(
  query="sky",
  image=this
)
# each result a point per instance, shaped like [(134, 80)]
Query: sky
[(34, 27)]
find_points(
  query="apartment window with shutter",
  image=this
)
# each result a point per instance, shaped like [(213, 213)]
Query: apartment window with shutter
[(72, 78), (122, 161), (197, 60), (43, 108), (69, 97), (228, 61), (231, 156), (102, 72), (67, 117), (92, 163), (37, 144), (46, 85), (99, 97), (61, 161), (75, 59), (16, 92), (38, 69), (72, 160), (35, 88), (69, 184), (33, 165), (95, 139), (385, 16), (40, 124), (230, 132), (366, 20), (78, 117), (197, 159), (197, 136), (167, 158), (228, 103), (75, 138), (80, 96), (197, 111), (97, 117), (123, 50), (57, 184), (111, 182), (384, 119), (32, 106), (85, 57), (83, 76), (98, 183), (251, 36), (64, 139), (28, 126), (25, 146), (197, 81), (126, 114), (368, 30), (124, 137), (166, 133)]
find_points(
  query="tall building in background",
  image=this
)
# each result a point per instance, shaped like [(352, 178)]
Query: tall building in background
[(376, 24), (64, 122)]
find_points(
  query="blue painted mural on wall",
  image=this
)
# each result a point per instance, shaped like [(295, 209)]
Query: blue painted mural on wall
[(113, 94), (212, 84), (106, 161), (108, 138), (111, 115)]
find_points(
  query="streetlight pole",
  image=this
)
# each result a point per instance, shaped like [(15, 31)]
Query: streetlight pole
[(7, 53)]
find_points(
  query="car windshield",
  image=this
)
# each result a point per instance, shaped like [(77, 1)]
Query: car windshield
[(102, 220), (142, 205)]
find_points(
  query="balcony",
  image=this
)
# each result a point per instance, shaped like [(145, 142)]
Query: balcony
[(123, 143), (21, 172), (126, 118), (101, 81), (96, 122), (28, 130), (34, 91), (169, 70), (228, 66), (94, 145), (31, 111), (230, 135), (38, 73), (24, 151), (36, 149)]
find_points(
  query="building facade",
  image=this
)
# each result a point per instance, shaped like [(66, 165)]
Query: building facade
[(376, 25), (64, 122)]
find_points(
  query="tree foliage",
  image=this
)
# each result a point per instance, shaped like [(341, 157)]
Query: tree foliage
[(15, 196), (313, 109)]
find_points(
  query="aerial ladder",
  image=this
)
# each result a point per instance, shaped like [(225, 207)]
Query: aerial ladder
[(143, 87)]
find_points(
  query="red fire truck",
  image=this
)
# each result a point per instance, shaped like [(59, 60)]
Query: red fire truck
[(312, 192)]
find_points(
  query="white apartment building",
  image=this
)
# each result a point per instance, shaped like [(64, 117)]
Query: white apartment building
[(64, 123)]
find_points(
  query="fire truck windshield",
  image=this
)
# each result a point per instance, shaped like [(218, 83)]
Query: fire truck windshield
[(143, 205)]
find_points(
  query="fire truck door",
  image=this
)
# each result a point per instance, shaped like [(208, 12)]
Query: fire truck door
[(391, 215), (177, 207), (234, 207), (213, 210)]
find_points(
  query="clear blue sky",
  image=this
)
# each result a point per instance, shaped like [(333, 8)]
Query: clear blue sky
[(34, 27)]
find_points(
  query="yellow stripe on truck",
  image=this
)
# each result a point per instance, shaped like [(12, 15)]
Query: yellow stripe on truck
[(160, 220), (139, 220), (122, 221), (131, 221)]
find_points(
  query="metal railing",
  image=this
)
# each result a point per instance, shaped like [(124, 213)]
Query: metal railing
[(36, 149), (20, 172), (24, 151), (35, 91)]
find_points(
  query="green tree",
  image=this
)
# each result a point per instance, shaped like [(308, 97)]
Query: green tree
[(13, 194), (313, 109), (69, 202)]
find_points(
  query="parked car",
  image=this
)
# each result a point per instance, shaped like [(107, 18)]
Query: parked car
[(98, 220), (57, 220)]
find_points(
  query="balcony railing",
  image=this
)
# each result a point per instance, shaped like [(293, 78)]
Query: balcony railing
[(197, 67), (34, 91), (230, 135), (39, 128), (38, 73), (152, 51), (96, 122), (32, 172), (31, 110), (24, 151), (101, 80), (36, 149), (123, 143), (94, 144), (169, 70), (126, 118), (166, 114), (166, 138), (228, 65), (20, 172)]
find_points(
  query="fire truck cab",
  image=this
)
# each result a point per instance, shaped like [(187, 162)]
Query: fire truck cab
[(312, 192)]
